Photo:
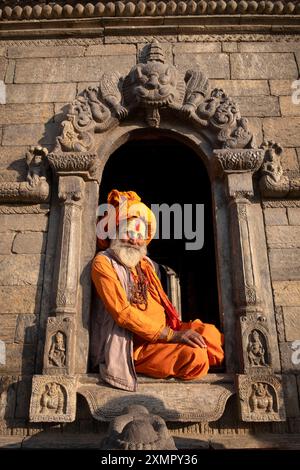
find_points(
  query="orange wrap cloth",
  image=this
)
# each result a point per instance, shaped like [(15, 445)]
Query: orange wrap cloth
[(124, 206), (152, 357)]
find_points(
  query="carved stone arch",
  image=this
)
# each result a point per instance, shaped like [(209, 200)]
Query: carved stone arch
[(97, 122)]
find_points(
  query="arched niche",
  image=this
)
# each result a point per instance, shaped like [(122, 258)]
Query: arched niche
[(101, 121)]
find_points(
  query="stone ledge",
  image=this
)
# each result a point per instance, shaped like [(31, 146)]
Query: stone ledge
[(173, 400)]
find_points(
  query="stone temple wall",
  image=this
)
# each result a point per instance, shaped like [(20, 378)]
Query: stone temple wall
[(42, 75)]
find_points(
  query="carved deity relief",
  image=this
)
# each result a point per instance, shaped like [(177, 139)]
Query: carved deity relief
[(52, 399), (57, 353), (150, 86), (261, 400), (256, 350)]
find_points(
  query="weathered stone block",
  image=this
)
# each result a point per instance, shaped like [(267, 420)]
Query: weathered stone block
[(198, 48), (291, 395), (289, 160), (8, 392), (294, 215), (26, 329), (19, 359), (6, 243), (30, 134), (20, 52), (285, 264), (25, 113), (283, 237), (255, 126), (263, 66), (21, 270), (291, 317), (288, 108), (242, 87), (286, 293), (258, 106), (275, 216), (10, 72), (3, 65), (212, 65), (23, 222), (20, 300), (229, 47), (70, 69), (10, 155), (41, 93), (282, 46), (297, 54), (110, 50), (8, 327), (29, 243), (23, 398), (281, 87), (284, 130)]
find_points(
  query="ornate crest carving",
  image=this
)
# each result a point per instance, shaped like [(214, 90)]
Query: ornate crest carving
[(58, 353), (261, 397), (273, 183), (36, 188), (53, 399), (149, 87)]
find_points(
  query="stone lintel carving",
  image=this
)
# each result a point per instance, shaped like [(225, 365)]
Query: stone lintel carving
[(273, 183), (59, 347), (173, 401), (36, 188), (72, 163), (53, 399), (261, 397), (239, 160), (137, 429), (255, 343), (150, 87), (56, 10), (71, 192)]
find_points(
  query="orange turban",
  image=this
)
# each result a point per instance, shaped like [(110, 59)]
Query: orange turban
[(124, 206)]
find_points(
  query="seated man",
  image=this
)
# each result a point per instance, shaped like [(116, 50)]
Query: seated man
[(135, 328)]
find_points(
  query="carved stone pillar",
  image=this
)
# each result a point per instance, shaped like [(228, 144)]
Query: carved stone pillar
[(54, 393), (259, 389)]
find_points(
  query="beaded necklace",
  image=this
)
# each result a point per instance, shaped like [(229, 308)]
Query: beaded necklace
[(138, 289)]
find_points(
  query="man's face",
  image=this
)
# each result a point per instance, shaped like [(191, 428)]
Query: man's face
[(133, 232)]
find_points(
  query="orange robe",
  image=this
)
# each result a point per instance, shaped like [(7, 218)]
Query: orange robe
[(152, 357)]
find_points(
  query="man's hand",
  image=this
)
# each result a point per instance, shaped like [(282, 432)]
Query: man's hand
[(190, 337)]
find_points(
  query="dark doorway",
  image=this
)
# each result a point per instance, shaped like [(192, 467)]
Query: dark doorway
[(162, 170)]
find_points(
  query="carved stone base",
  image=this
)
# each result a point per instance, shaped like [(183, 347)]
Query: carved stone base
[(53, 399), (172, 400), (261, 397)]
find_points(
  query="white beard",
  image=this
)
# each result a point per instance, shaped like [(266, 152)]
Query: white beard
[(129, 255)]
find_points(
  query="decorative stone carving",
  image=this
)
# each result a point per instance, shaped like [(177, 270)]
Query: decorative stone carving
[(261, 397), (77, 164), (149, 87), (137, 429), (256, 350), (255, 342), (167, 8), (53, 399), (59, 345), (173, 401), (240, 160), (273, 183), (36, 188)]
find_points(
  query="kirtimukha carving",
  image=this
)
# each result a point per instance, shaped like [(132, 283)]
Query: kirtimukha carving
[(137, 429), (150, 87), (53, 398), (261, 397), (36, 188), (273, 183)]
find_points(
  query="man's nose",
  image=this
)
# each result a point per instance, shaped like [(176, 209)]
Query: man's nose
[(133, 238)]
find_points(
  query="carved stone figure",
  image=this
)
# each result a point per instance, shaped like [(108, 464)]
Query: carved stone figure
[(256, 351), (137, 429), (260, 399), (52, 399), (57, 353)]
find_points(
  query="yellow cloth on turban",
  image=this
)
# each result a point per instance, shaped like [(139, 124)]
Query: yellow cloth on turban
[(124, 206)]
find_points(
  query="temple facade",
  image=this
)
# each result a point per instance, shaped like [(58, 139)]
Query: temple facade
[(169, 98)]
